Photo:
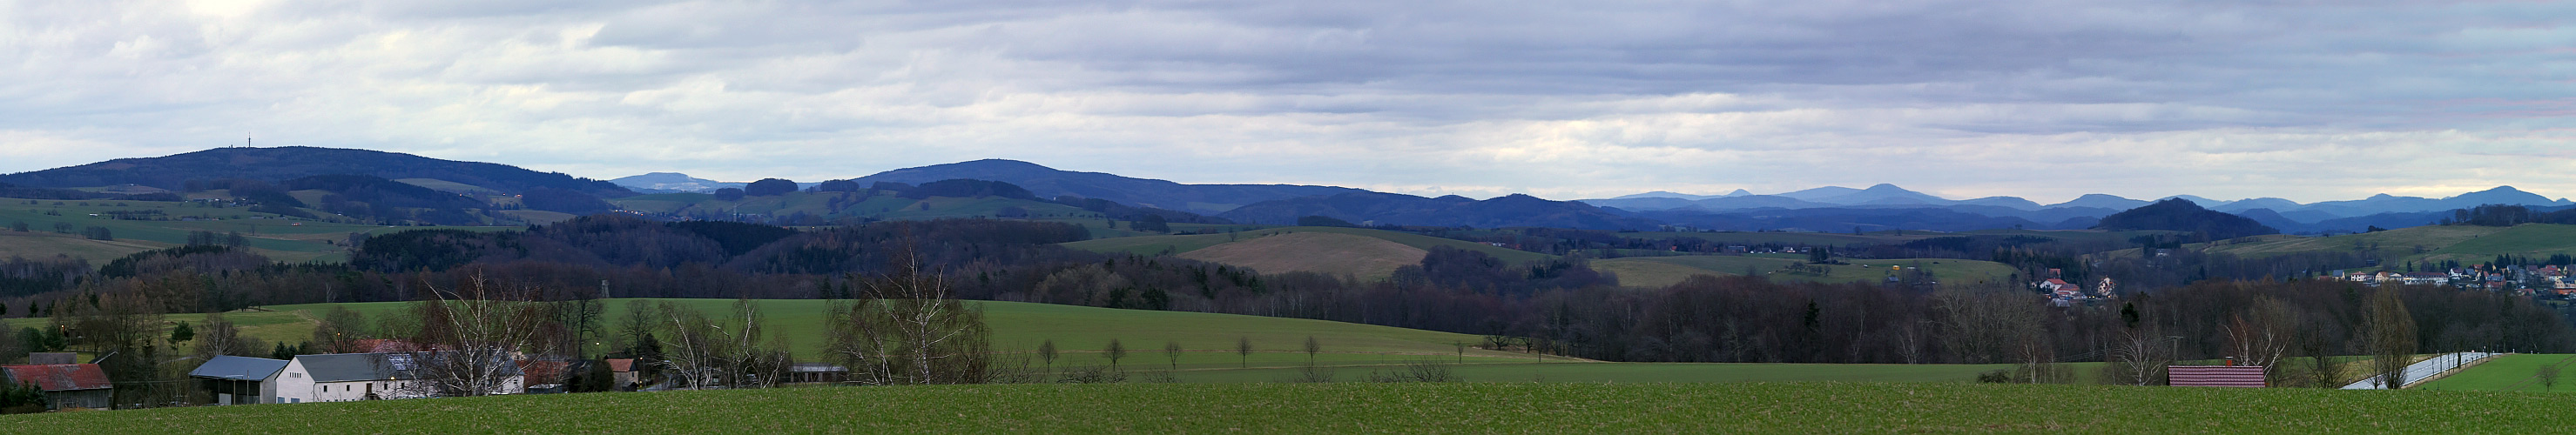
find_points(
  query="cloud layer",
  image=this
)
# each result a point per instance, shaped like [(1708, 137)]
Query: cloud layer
[(2044, 99)]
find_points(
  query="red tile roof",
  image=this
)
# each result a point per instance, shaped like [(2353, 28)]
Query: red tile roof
[(542, 370), (60, 377), (621, 364)]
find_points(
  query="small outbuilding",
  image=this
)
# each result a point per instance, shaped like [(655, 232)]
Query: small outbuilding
[(66, 386), (624, 369), (238, 380)]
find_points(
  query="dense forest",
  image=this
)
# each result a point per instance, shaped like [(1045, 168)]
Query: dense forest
[(1559, 306)]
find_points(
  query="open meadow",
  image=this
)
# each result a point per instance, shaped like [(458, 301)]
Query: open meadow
[(1350, 351), (1375, 407), (2517, 373)]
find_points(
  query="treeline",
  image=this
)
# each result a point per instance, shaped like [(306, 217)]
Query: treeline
[(2496, 215), (1560, 306)]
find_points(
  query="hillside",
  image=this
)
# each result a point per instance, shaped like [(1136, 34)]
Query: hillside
[(829, 206), (173, 172), (2432, 243), (1207, 199), (1766, 407), (278, 237), (2182, 215)]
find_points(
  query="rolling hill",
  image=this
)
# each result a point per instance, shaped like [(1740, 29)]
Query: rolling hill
[(2432, 243), (173, 172), (278, 237)]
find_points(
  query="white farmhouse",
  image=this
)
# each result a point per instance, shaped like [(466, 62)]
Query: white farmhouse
[(365, 376)]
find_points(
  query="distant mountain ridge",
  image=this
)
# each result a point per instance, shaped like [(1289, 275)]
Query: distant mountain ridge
[(1446, 211), (2308, 216), (1206, 199), (671, 182), (278, 164)]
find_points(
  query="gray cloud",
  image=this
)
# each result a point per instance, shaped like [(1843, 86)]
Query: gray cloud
[(2306, 100)]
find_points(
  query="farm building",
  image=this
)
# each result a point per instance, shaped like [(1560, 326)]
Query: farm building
[(66, 386), (625, 372), (367, 376), (799, 373), (236, 380), (50, 358)]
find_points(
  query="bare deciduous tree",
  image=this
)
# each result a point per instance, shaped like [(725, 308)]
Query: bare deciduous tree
[(1312, 347), (1172, 351), (221, 337), (2392, 337), (339, 330), (1243, 351), (471, 335), (907, 329), (2139, 357), (1046, 351), (1114, 352), (2261, 335)]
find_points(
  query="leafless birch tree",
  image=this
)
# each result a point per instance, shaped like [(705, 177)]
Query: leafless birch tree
[(905, 328), (471, 337)]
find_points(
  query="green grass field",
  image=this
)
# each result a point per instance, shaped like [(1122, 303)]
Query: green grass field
[(1208, 341), (2466, 244), (1371, 407), (2510, 373), (1080, 332)]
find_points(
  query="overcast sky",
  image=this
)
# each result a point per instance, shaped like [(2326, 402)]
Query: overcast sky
[(2306, 100)]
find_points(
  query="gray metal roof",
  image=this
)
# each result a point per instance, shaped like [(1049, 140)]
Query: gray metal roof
[(238, 368), (356, 366), (347, 367)]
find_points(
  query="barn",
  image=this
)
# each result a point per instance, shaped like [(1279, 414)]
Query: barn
[(67, 386), (236, 380)]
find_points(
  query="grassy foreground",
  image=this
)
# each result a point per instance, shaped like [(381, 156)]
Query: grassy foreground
[(1361, 407)]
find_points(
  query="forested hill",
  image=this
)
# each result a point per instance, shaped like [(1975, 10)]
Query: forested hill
[(1206, 199), (1447, 211), (174, 172), (2182, 215)]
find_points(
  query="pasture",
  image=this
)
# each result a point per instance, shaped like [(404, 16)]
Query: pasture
[(1374, 407), (2515, 373)]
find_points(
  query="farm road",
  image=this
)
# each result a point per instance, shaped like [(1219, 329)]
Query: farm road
[(2424, 369)]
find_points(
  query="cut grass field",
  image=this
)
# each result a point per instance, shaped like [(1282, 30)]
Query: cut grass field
[(1389, 408), (1367, 258), (2517, 372)]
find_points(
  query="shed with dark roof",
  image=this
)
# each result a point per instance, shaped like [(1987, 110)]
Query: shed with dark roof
[(237, 380)]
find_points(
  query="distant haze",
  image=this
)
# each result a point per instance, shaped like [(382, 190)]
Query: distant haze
[(2307, 101)]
